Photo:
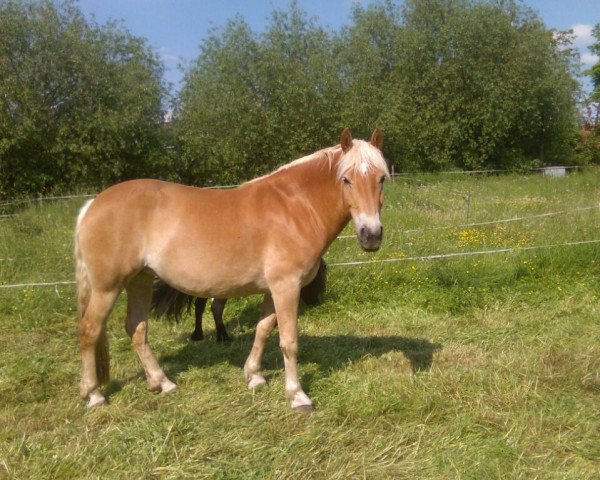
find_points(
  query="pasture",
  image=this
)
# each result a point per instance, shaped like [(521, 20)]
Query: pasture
[(475, 366)]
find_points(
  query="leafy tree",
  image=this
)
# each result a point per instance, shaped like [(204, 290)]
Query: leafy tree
[(595, 70), (588, 144), (251, 102), (300, 84), (218, 116), (471, 85), (369, 57), (80, 104), (454, 83)]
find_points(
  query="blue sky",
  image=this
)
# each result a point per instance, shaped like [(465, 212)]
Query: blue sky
[(175, 28)]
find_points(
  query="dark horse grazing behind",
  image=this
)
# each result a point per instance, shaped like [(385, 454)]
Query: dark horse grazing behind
[(266, 236), (171, 303)]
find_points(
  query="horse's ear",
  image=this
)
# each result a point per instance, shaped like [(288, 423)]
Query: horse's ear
[(346, 140), (377, 138)]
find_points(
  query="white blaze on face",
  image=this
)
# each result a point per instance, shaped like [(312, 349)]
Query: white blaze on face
[(363, 168), (371, 222)]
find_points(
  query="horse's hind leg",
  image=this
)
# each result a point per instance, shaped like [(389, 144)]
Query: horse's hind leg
[(139, 299), (199, 306), (94, 345), (217, 307), (263, 329)]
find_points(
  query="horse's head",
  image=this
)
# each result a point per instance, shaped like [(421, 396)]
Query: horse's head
[(362, 171)]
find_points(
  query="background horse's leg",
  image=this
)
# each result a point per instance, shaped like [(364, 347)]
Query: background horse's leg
[(217, 306), (94, 345), (264, 327), (312, 292), (286, 298), (139, 298), (199, 305)]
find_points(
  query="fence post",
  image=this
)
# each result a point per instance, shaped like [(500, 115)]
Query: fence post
[(469, 206)]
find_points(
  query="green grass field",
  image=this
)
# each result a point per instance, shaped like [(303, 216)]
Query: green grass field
[(482, 367)]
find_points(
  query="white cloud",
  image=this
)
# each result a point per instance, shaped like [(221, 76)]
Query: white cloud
[(583, 34), (166, 55), (583, 39), (589, 59)]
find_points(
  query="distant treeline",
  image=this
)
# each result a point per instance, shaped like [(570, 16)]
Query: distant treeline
[(453, 83)]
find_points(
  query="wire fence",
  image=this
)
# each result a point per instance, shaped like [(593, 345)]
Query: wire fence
[(31, 200), (437, 256), (429, 257), (551, 170), (40, 199), (440, 256), (22, 201), (488, 223), (431, 229)]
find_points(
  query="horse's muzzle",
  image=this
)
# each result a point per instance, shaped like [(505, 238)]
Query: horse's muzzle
[(370, 237)]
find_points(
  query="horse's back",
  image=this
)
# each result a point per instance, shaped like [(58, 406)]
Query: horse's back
[(191, 237)]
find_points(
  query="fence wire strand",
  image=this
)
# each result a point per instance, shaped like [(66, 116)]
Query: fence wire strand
[(371, 262), (483, 224)]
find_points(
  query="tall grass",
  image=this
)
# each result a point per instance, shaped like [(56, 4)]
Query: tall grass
[(467, 367)]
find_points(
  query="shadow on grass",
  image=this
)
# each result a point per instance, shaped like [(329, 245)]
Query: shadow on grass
[(330, 352)]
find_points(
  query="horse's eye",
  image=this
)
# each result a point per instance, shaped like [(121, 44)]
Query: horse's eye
[(381, 180), (347, 182)]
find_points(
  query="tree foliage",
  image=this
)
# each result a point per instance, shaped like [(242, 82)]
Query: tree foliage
[(482, 84), (251, 101), (454, 84), (595, 70), (80, 104), (588, 146)]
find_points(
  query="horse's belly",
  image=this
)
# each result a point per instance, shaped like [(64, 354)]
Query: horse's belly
[(213, 280), (205, 263)]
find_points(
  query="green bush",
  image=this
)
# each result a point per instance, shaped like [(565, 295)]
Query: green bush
[(80, 104)]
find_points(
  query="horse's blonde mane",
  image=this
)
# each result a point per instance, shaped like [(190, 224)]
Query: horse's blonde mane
[(320, 154), (362, 157)]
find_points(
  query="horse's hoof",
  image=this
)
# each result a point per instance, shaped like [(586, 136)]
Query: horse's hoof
[(196, 337), (303, 409), (300, 402), (167, 386), (256, 381), (223, 339), (96, 400)]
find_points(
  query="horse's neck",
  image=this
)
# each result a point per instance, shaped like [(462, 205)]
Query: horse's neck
[(319, 185)]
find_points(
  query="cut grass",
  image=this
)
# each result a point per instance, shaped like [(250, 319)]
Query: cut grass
[(469, 367)]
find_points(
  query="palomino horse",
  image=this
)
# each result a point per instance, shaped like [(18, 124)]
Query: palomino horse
[(267, 237), (170, 303)]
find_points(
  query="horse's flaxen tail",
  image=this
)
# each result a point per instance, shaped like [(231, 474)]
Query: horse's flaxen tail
[(83, 299)]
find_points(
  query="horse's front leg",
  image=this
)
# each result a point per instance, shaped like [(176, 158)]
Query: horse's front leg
[(286, 298)]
